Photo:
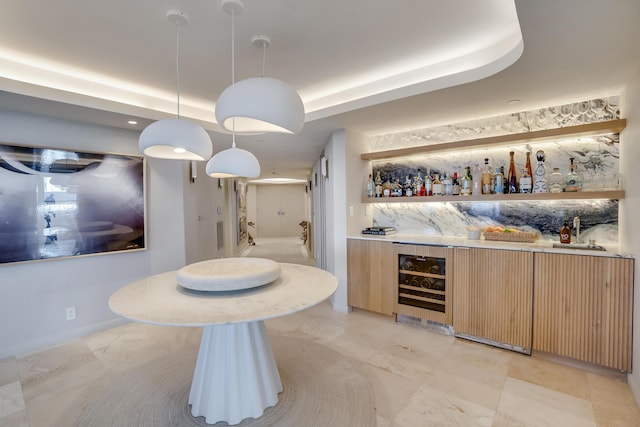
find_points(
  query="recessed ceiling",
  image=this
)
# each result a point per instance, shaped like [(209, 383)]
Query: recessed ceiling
[(373, 67)]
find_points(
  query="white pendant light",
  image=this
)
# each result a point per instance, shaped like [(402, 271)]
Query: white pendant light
[(233, 162), (176, 138), (261, 104)]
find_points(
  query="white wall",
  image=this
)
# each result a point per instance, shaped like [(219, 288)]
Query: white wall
[(358, 171), (204, 207), (336, 216), (629, 208), (34, 295)]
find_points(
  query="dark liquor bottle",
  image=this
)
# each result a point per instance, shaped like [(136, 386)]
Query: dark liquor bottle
[(512, 179)]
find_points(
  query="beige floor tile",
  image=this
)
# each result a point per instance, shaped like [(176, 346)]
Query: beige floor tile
[(11, 400), (8, 371), (531, 405), (612, 401), (392, 392), (555, 376), (134, 344), (431, 407), (17, 419)]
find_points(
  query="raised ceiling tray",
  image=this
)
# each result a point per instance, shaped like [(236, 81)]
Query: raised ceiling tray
[(228, 274)]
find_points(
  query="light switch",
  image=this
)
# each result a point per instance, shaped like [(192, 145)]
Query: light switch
[(350, 210)]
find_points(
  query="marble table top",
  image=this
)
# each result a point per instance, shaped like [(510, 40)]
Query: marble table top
[(161, 300)]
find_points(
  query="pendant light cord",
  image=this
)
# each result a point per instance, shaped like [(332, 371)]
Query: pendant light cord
[(178, 63), (233, 73), (264, 56)]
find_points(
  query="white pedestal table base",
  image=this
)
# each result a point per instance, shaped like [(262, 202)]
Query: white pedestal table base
[(236, 376)]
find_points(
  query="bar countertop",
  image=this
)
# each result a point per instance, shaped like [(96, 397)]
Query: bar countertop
[(537, 246)]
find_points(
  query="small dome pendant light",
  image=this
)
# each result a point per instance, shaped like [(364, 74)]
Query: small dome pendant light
[(260, 104), (176, 138), (233, 161)]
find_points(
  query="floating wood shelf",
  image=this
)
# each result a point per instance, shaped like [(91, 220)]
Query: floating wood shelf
[(591, 129), (580, 195)]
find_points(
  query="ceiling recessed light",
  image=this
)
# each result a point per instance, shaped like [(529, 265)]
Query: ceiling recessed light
[(513, 101), (132, 122)]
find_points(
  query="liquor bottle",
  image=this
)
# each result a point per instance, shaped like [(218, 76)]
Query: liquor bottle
[(408, 189), (540, 175), (378, 188), (556, 181), (421, 189), (428, 183), (525, 181), (386, 188), (505, 186), (447, 185), (487, 173), (528, 164), (437, 185), (572, 181), (455, 185), (565, 233), (498, 182), (397, 188), (370, 186), (511, 175), (466, 182), (476, 187)]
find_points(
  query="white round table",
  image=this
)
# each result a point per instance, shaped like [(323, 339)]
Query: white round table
[(236, 376)]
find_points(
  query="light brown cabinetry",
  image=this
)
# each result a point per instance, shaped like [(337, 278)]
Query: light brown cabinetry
[(493, 297), (583, 308), (423, 284), (371, 275)]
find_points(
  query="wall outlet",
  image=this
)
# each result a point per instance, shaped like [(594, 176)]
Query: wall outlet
[(71, 313)]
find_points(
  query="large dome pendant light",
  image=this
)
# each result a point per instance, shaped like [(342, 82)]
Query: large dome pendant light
[(176, 138), (233, 161), (260, 104)]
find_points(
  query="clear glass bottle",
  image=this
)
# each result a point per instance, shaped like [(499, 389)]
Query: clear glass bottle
[(371, 187), (572, 181), (498, 182), (466, 182), (421, 190), (556, 181), (437, 185), (525, 181), (540, 174), (455, 185), (487, 174), (447, 185), (428, 183), (476, 187), (378, 182), (408, 188), (512, 180), (387, 186), (397, 188)]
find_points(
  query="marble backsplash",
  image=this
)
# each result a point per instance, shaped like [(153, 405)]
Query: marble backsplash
[(597, 160), (598, 218)]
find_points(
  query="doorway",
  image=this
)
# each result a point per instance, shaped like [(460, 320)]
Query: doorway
[(279, 210)]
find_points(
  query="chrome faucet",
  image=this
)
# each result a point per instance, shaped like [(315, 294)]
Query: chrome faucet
[(576, 225)]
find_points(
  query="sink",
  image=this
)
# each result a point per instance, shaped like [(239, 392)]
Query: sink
[(579, 246)]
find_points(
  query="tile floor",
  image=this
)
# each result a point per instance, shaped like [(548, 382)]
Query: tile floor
[(420, 377)]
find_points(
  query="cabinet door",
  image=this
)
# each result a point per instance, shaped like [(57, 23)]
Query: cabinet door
[(370, 275), (493, 296), (583, 308)]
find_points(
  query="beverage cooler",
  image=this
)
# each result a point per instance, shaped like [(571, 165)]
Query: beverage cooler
[(423, 284)]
